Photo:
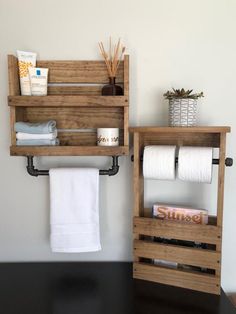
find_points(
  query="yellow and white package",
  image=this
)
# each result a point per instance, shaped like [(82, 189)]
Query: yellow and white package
[(26, 60)]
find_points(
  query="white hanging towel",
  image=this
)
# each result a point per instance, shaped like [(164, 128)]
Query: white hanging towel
[(74, 213)]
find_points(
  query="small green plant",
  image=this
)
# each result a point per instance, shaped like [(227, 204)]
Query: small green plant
[(182, 93)]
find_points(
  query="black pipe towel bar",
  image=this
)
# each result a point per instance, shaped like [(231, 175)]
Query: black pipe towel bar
[(215, 161), (35, 172)]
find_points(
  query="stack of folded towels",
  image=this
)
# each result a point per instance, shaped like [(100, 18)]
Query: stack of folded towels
[(36, 134)]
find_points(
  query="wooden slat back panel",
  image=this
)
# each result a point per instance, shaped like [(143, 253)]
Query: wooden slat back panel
[(69, 118), (88, 90), (190, 280), (182, 139), (75, 90), (83, 138), (177, 230), (74, 71), (75, 138), (179, 254), (70, 72)]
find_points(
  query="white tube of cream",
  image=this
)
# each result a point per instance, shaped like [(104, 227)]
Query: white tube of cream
[(26, 60), (38, 81)]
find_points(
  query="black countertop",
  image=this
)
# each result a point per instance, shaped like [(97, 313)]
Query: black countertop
[(96, 288)]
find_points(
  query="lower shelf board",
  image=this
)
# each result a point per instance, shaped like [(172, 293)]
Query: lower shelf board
[(69, 150), (178, 278)]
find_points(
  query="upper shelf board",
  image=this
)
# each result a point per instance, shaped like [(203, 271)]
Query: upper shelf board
[(200, 129), (68, 100)]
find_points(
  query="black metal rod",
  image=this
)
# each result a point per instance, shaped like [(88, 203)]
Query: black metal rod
[(215, 161), (35, 172)]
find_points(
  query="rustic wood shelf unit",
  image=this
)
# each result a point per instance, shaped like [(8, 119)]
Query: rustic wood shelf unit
[(145, 227), (74, 100)]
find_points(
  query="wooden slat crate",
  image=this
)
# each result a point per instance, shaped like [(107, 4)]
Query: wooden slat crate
[(200, 267)]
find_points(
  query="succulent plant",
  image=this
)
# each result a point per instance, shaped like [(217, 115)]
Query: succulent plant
[(182, 93)]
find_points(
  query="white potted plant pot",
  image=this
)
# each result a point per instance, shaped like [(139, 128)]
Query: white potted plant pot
[(183, 112), (182, 107)]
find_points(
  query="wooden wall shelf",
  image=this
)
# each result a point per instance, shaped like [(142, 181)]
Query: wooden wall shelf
[(74, 100), (145, 227)]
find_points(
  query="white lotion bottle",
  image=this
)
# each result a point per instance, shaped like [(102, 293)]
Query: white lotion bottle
[(38, 81)]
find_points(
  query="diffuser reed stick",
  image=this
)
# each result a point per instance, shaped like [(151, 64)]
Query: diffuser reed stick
[(113, 57)]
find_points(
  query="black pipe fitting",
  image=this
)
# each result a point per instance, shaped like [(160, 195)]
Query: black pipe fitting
[(113, 170), (35, 172)]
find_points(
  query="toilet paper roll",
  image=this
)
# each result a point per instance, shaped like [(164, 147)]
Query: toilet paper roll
[(195, 164), (159, 162)]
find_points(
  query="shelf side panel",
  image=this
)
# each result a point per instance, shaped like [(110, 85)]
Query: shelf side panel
[(126, 125), (12, 123), (138, 183), (220, 188), (13, 76), (14, 89), (126, 75)]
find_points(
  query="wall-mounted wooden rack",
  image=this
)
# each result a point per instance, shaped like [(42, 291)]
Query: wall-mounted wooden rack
[(145, 227), (74, 100)]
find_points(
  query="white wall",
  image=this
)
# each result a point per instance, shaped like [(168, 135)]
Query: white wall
[(171, 43)]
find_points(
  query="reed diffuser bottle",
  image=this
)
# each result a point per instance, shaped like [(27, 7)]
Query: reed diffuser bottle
[(112, 60), (112, 89)]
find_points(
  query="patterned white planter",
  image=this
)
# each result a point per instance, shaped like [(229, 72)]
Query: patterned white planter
[(182, 112)]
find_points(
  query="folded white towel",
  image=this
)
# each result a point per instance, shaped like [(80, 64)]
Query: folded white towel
[(30, 136), (74, 210)]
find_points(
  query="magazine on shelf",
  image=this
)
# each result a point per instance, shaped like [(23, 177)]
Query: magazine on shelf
[(180, 213)]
